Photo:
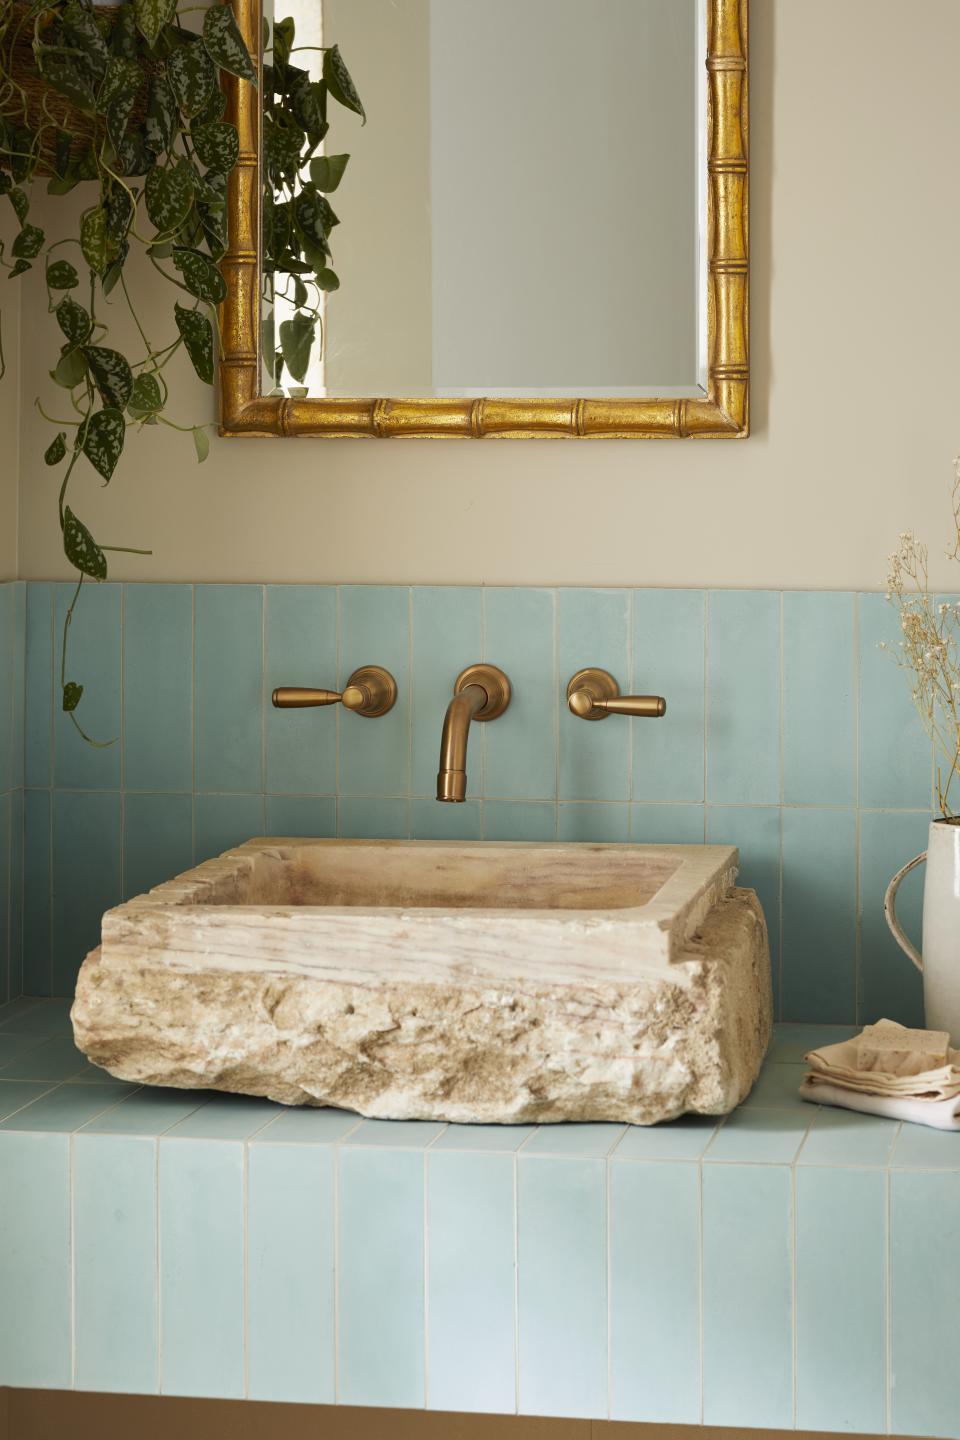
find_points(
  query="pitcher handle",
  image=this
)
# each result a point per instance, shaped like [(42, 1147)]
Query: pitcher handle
[(890, 911)]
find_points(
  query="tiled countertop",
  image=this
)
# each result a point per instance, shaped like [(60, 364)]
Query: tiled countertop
[(789, 1267)]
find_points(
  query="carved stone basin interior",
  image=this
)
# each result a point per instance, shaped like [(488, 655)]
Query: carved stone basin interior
[(406, 979)]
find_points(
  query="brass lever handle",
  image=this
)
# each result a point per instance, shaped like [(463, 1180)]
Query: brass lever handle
[(594, 694), (370, 691)]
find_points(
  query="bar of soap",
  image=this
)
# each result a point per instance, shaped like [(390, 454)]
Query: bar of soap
[(894, 1050)]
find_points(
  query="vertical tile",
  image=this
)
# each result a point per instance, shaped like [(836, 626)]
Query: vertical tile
[(743, 698), (889, 983), (290, 1274), (600, 824), (224, 821), (755, 830), (471, 1363), (37, 978), (593, 628), (229, 687), (301, 649), (93, 661), (747, 1296), (5, 888), (380, 1269), (667, 824), (158, 687), (818, 980), (86, 876), (841, 1299), (115, 1265), (432, 820), (924, 1283), (16, 893), (520, 749), (668, 660), (201, 1268), (19, 674), (562, 1287), (8, 686), (38, 736), (157, 839), (446, 639), (896, 762), (361, 819), (35, 1261), (519, 820), (655, 1293), (307, 816), (375, 630), (818, 698)]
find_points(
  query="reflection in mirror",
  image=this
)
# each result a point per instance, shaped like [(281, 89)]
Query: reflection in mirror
[(515, 206)]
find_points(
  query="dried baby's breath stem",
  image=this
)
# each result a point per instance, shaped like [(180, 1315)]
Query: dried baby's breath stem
[(929, 648)]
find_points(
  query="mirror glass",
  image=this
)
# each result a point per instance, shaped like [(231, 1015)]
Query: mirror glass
[(467, 199)]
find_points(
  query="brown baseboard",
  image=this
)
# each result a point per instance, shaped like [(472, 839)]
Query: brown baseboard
[(51, 1414)]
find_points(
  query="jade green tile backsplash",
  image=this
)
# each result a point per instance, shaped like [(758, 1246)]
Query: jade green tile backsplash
[(787, 733)]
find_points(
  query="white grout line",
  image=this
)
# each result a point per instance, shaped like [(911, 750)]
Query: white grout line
[(425, 1279), (700, 1283), (72, 1261), (794, 1281), (888, 1306), (608, 1246), (336, 1275), (245, 1262), (157, 1249), (516, 1282)]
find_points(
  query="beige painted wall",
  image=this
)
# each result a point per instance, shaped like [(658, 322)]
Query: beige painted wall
[(9, 430), (855, 403)]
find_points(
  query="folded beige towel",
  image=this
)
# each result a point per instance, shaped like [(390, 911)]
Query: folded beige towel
[(838, 1065), (940, 1114)]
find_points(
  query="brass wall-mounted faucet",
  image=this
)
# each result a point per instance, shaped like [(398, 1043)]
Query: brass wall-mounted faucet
[(371, 691), (594, 695), (481, 692)]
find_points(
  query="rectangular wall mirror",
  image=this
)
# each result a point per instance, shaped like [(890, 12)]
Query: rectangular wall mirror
[(522, 218)]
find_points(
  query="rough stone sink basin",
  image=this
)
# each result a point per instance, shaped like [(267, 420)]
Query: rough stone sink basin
[(481, 982)]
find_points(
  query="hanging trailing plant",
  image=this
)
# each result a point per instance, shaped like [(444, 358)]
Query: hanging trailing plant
[(297, 217), (127, 104)]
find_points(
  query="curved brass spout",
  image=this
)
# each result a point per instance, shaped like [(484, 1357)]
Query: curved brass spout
[(481, 692)]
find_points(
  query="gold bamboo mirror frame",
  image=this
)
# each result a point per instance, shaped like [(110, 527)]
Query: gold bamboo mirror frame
[(722, 411)]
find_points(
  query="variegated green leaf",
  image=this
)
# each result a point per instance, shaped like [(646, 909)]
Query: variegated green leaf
[(200, 275), (161, 114), (28, 243), (56, 450), (93, 239), (81, 549), (72, 695), (193, 76), (169, 196), (314, 213), (62, 276), (73, 321), (225, 43), (121, 87), (201, 442), (340, 83), (217, 145), (20, 267), (146, 397), (112, 375), (197, 335), (102, 442), (152, 15), (123, 35), (20, 203), (215, 108)]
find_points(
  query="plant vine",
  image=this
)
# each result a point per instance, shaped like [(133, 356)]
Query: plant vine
[(127, 103)]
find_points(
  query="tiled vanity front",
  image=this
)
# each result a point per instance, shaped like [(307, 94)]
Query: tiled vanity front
[(791, 1267)]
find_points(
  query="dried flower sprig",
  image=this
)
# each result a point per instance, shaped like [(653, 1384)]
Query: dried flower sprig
[(929, 650)]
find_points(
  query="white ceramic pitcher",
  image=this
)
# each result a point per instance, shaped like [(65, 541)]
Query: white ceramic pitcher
[(940, 962)]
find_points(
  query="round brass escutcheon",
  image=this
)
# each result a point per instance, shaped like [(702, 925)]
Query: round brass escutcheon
[(493, 681), (377, 691), (594, 685)]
